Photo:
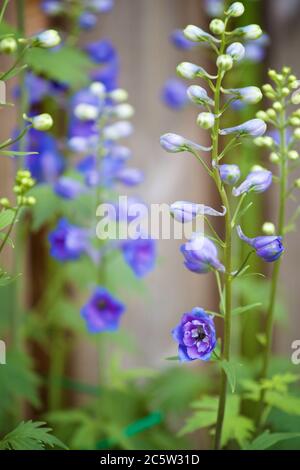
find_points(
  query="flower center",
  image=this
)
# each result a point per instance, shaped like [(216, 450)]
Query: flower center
[(199, 333)]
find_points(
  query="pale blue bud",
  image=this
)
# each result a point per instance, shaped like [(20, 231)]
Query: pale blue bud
[(236, 9), (190, 71), (196, 34), (176, 143), (236, 50), (185, 211), (199, 95), (248, 94), (254, 127), (252, 31)]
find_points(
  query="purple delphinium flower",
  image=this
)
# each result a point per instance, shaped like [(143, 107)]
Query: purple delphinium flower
[(257, 181), (68, 188), (101, 6), (130, 176), (185, 211), (195, 335), (254, 127), (49, 163), (255, 51), (229, 174), (140, 255), (179, 40), (102, 312), (174, 93), (87, 20), (107, 74), (201, 255), (52, 7), (68, 242), (101, 51), (214, 7), (175, 143), (269, 248)]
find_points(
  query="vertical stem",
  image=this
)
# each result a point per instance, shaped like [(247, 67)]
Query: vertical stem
[(228, 269), (276, 269)]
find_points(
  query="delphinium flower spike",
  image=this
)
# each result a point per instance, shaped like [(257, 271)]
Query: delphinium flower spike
[(200, 253)]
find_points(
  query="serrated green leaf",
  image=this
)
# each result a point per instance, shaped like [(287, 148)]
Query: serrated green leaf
[(65, 65), (267, 439), (285, 402), (30, 435)]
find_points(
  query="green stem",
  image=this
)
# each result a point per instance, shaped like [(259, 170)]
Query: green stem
[(3, 9), (227, 253), (276, 269)]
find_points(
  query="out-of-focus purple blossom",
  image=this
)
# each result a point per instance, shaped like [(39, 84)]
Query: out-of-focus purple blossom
[(52, 7), (255, 51), (140, 255), (257, 181), (195, 335), (185, 211), (174, 93), (108, 75), (175, 143), (130, 176), (102, 312), (229, 174), (274, 133), (68, 242), (118, 130), (37, 88), (214, 7), (254, 127), (49, 163), (87, 20), (179, 40), (83, 135), (119, 152), (101, 6), (68, 188), (201, 255), (86, 97), (101, 51), (269, 248)]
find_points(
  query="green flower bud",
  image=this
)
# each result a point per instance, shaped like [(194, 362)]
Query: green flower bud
[(285, 91), (268, 228), (268, 88), (295, 99), (31, 201), (272, 74), (294, 85), (236, 9), (293, 155), (271, 113), (294, 121), (297, 133), (286, 70), (262, 115), (297, 183), (257, 168), (4, 202), (8, 45), (277, 106), (292, 78), (217, 26), (17, 189), (119, 95), (225, 62), (42, 122), (206, 120), (274, 158), (264, 141)]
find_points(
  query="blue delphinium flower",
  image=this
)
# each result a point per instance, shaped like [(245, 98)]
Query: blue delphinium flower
[(214, 7), (269, 248), (68, 242), (52, 7), (140, 255), (49, 163), (175, 143), (87, 20), (201, 255), (179, 40), (195, 335), (107, 74), (229, 174), (101, 6), (257, 181), (102, 312), (185, 211), (254, 127), (101, 51), (174, 93)]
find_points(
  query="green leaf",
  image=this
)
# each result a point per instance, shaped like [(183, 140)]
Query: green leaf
[(46, 207), (246, 308), (172, 358), (267, 439), (65, 65), (6, 218), (288, 403), (30, 435), (230, 370), (12, 153)]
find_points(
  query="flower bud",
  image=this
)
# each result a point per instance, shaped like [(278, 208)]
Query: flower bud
[(123, 111), (262, 115), (258, 180), (277, 106), (236, 9), (8, 45), (98, 89), (225, 62), (249, 94), (254, 127), (119, 95), (205, 120), (196, 34), (236, 50), (294, 121), (190, 71), (252, 31), (267, 88), (271, 113), (217, 26), (265, 141), (272, 74), (31, 201), (274, 157), (268, 228), (294, 85), (42, 122), (297, 183), (229, 174), (199, 95), (48, 39), (175, 143), (285, 91), (4, 202), (295, 99), (118, 130), (293, 155), (297, 133), (86, 112), (269, 248)]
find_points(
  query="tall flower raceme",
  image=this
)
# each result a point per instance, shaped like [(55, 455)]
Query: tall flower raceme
[(281, 142), (196, 333)]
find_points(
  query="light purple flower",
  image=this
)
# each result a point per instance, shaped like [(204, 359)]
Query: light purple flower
[(130, 176), (257, 181), (254, 127), (185, 211), (199, 95), (269, 248), (179, 40), (201, 255), (195, 335), (68, 242), (175, 143), (174, 93), (229, 174), (68, 188), (236, 50), (140, 255), (102, 312)]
